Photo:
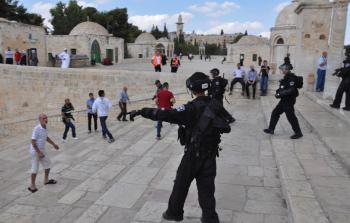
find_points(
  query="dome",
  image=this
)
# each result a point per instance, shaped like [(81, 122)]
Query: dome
[(86, 28), (163, 39), (287, 17), (145, 38), (252, 40)]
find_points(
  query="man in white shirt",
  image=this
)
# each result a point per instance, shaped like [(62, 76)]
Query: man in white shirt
[(238, 75), (321, 72), (38, 152), (65, 59), (9, 56), (101, 106)]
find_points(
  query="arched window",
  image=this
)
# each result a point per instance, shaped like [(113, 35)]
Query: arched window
[(322, 37), (307, 36), (280, 41)]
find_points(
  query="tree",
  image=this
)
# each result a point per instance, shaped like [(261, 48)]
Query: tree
[(165, 31), (246, 33), (222, 32), (11, 10), (238, 37)]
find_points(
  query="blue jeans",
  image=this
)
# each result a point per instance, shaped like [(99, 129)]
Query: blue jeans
[(68, 125), (263, 84), (105, 130), (159, 128), (321, 78)]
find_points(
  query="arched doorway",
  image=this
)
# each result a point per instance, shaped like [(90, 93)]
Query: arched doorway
[(160, 48), (95, 52), (280, 50)]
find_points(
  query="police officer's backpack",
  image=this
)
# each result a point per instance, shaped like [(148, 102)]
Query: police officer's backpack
[(299, 82)]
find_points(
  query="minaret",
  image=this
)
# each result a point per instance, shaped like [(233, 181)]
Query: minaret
[(179, 26)]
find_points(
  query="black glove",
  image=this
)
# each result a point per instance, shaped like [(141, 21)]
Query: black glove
[(277, 95), (133, 114)]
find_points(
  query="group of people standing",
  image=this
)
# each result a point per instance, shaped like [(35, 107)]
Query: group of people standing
[(18, 58), (159, 60)]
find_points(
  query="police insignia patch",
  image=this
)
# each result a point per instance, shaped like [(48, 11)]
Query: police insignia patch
[(181, 108), (291, 83)]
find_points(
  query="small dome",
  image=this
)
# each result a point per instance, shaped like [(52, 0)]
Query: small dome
[(86, 28), (163, 39), (252, 40), (145, 38), (287, 17)]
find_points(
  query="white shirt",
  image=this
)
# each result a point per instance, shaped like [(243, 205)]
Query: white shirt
[(8, 54), (320, 61), (238, 73), (40, 135), (101, 106), (65, 58)]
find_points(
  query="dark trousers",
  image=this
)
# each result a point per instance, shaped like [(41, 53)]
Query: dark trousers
[(68, 125), (321, 79), (247, 89), (158, 68), (159, 127), (203, 169), (90, 116), (343, 87), (105, 130), (239, 80), (174, 69), (264, 81), (288, 108), (123, 110), (9, 61)]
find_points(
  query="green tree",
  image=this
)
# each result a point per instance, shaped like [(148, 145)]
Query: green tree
[(246, 33), (165, 31), (222, 32)]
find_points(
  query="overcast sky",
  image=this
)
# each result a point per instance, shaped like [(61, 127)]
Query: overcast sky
[(208, 17)]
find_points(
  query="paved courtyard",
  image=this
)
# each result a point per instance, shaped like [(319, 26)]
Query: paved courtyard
[(260, 179)]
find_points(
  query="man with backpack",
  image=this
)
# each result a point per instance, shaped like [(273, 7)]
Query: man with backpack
[(202, 121), (287, 93)]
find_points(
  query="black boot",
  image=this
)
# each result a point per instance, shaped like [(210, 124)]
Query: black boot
[(169, 217), (334, 106), (296, 136), (269, 131)]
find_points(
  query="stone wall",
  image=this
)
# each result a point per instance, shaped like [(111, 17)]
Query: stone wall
[(27, 91)]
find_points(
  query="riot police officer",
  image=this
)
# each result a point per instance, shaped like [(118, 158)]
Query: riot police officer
[(218, 85), (287, 93), (201, 141)]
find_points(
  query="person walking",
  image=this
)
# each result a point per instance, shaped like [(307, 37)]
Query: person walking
[(201, 141), (102, 105), (67, 119), (39, 154), (159, 88), (157, 62), (9, 56), (321, 72), (238, 75), (264, 81), (17, 57), (174, 64), (123, 100), (287, 93), (165, 100), (65, 59), (251, 81), (90, 114)]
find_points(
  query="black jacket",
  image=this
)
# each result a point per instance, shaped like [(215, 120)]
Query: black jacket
[(218, 86), (287, 90)]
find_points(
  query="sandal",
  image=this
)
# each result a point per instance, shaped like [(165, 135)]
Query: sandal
[(32, 190), (52, 181)]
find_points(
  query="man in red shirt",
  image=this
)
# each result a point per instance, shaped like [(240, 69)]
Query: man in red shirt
[(165, 100), (18, 57)]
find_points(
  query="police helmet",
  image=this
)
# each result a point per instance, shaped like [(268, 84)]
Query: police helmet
[(198, 82), (286, 66), (215, 72)]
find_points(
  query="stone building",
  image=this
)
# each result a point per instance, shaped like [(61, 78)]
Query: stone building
[(146, 45), (91, 39), (249, 48), (23, 37)]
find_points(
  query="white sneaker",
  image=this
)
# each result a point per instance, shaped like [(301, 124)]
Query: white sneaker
[(75, 138), (64, 140)]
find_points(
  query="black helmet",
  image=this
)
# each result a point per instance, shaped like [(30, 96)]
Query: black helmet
[(198, 82), (286, 66), (215, 72)]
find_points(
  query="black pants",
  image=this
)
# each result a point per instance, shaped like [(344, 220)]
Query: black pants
[(105, 130), (343, 87), (239, 80), (90, 116), (123, 110), (174, 69), (247, 88), (9, 61), (203, 169), (158, 68), (68, 125), (288, 108)]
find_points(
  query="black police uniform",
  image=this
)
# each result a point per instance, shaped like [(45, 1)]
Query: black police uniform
[(343, 87), (288, 93), (218, 87)]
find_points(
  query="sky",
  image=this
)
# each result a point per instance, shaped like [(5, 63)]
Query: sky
[(203, 17)]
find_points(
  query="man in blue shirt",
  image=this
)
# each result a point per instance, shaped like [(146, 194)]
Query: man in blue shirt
[(251, 81), (123, 99), (90, 113)]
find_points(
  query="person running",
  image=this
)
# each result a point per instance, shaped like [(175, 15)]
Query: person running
[(102, 105), (165, 100), (67, 119), (238, 75), (123, 99), (90, 114), (38, 153)]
